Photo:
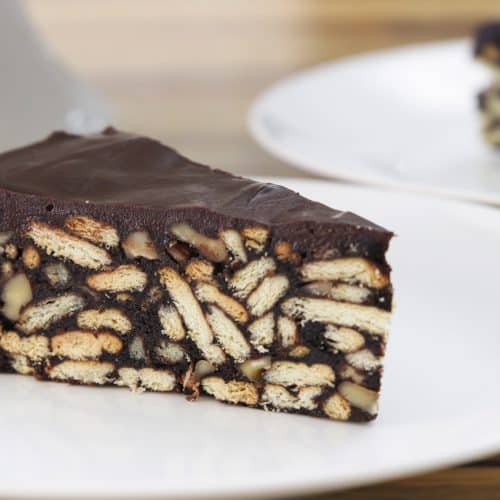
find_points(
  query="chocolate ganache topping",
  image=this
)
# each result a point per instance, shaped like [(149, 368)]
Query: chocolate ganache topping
[(115, 167)]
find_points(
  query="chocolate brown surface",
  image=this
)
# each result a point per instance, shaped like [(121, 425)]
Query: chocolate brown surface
[(120, 168)]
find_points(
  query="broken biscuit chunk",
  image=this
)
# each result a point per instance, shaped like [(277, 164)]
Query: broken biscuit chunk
[(148, 271)]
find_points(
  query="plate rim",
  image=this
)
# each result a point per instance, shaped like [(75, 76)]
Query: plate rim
[(257, 129), (312, 488)]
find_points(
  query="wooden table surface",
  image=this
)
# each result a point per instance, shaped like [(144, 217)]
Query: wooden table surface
[(186, 71)]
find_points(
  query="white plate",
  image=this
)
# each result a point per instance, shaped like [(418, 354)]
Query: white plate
[(404, 118), (440, 402)]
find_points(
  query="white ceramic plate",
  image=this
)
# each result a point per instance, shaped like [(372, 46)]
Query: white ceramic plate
[(405, 118), (440, 402)]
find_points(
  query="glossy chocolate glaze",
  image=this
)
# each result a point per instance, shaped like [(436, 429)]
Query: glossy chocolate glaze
[(135, 182), (116, 167)]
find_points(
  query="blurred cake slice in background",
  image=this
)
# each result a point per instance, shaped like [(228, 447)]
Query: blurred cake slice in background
[(487, 50), (487, 44)]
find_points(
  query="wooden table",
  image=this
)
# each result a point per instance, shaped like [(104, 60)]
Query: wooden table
[(186, 71)]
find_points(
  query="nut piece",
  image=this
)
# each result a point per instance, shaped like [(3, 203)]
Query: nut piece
[(212, 249), (5, 236), (278, 397), (359, 396), (57, 275), (300, 351), (79, 345), (228, 334), (136, 349), (247, 278), (171, 323), (93, 230), (124, 278), (234, 391), (285, 253), (7, 270), (200, 270), (41, 315), (255, 237), (170, 352), (262, 332), (16, 294), (56, 242), (267, 294), (348, 269), (234, 244), (206, 292), (291, 373), (340, 291), (344, 339), (202, 369), (35, 347), (95, 319), (369, 318), (146, 379), (11, 251), (253, 368), (31, 257), (178, 251), (364, 360), (121, 296), (140, 244), (287, 331), (347, 372), (86, 372), (190, 311), (337, 407)]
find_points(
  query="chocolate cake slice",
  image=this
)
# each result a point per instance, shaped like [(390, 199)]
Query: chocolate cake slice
[(124, 263)]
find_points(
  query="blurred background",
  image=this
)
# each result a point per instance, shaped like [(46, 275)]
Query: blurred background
[(186, 72)]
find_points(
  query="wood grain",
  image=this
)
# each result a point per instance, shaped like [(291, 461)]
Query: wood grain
[(459, 484), (186, 71)]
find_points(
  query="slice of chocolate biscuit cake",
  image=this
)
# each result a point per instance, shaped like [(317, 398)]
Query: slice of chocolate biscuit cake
[(122, 262)]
